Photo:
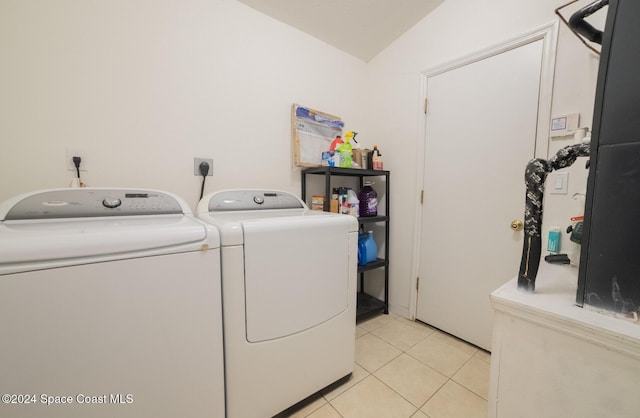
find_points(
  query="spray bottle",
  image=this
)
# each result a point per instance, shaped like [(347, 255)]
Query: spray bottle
[(345, 150)]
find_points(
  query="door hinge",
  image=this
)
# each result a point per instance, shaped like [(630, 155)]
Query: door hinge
[(425, 105), (417, 283), (421, 197)]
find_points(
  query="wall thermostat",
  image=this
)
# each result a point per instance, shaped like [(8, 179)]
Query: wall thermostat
[(564, 125)]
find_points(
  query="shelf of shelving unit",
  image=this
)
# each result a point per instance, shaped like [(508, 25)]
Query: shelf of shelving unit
[(367, 304), (373, 265), (372, 219)]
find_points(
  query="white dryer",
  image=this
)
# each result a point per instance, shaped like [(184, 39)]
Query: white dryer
[(110, 305), (289, 298)]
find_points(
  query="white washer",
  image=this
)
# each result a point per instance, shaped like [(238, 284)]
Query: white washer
[(110, 305), (289, 297)]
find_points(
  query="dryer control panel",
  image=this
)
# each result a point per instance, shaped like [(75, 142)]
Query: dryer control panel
[(231, 200), (91, 202)]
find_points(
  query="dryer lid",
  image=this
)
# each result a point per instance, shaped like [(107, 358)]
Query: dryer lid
[(229, 209), (249, 200)]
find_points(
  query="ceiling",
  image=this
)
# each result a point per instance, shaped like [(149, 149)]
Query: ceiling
[(361, 28)]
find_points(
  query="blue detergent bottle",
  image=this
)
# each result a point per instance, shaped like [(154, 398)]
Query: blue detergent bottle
[(371, 248), (362, 250)]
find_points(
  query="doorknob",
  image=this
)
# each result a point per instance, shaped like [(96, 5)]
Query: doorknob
[(517, 225)]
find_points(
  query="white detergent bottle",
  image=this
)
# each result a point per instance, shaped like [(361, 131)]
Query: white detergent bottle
[(354, 203)]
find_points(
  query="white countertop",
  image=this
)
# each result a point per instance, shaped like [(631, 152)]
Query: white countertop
[(553, 305)]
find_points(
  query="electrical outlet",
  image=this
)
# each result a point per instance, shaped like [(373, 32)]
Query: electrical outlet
[(77, 152), (196, 165)]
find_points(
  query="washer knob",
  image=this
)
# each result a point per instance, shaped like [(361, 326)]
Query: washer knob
[(111, 202), (259, 200)]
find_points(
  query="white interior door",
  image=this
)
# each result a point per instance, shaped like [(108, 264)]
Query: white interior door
[(480, 133)]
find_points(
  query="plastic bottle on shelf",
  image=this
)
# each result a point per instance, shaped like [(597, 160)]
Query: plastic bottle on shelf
[(371, 248), (346, 153), (344, 201), (341, 194), (334, 204), (354, 203), (553, 243), (368, 200), (362, 249), (376, 158)]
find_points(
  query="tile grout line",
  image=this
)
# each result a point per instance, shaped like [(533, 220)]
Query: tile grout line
[(402, 351), (462, 384), (439, 388), (400, 348), (389, 387), (334, 408), (349, 388), (449, 378), (408, 354), (394, 391), (326, 403), (371, 374), (386, 342)]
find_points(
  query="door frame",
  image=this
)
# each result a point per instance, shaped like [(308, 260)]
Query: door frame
[(549, 34)]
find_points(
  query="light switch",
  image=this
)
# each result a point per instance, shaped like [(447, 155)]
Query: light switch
[(559, 184)]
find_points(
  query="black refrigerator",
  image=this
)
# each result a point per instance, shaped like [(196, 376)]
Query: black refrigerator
[(609, 272)]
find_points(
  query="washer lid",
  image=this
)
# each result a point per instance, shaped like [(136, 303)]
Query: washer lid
[(65, 239), (75, 223), (91, 203)]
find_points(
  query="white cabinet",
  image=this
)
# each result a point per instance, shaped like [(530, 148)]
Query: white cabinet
[(554, 359)]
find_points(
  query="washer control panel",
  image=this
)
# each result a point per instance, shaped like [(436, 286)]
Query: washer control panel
[(231, 200), (85, 203)]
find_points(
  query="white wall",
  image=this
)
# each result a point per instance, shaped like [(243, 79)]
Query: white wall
[(143, 86), (455, 29)]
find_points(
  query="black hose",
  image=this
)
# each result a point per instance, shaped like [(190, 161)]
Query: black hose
[(582, 27), (534, 178)]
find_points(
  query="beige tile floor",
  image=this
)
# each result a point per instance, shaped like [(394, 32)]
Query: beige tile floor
[(405, 369)]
